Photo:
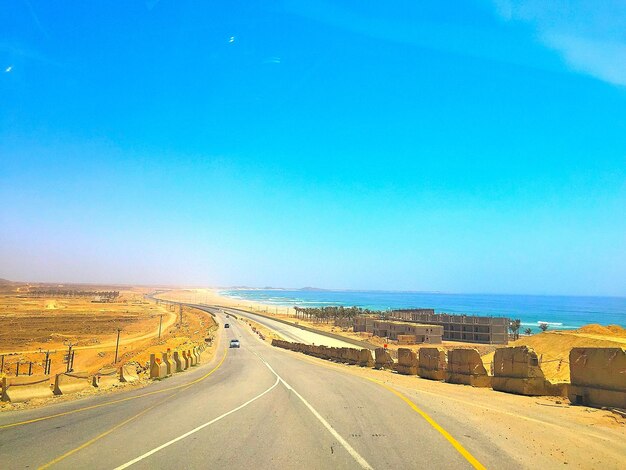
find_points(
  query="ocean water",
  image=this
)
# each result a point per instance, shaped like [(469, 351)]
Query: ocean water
[(560, 312)]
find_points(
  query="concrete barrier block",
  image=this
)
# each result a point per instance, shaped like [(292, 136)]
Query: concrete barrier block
[(187, 360), (192, 358), (279, 343), (106, 378), (433, 363), (465, 367), (517, 370), (197, 353), (178, 362), (383, 359), (158, 370), (21, 389), (72, 382), (598, 377), (407, 362), (365, 358), (167, 360), (128, 373)]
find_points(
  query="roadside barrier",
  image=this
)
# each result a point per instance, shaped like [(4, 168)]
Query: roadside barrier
[(407, 362), (192, 358), (21, 389), (128, 373), (165, 359), (71, 382), (433, 363), (517, 370), (105, 378), (361, 357), (598, 377), (383, 359), (196, 352), (187, 360), (158, 370), (466, 367), (365, 358), (178, 362)]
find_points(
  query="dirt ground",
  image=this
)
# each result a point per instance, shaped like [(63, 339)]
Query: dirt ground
[(31, 326), (197, 326), (553, 347)]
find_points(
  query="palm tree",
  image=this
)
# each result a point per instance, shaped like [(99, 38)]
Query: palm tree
[(528, 331), (514, 327), (543, 326)]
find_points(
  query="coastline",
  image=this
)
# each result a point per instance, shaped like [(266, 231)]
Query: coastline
[(558, 312)]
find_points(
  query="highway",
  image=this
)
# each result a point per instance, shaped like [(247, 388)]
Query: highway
[(257, 407), (287, 332)]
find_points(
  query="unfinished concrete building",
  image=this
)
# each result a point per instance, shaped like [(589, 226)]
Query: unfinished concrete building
[(364, 323), (468, 328), (403, 332)]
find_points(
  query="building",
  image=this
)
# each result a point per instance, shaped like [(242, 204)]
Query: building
[(468, 328), (364, 323), (403, 332)]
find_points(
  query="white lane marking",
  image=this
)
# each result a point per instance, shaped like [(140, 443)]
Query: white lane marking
[(355, 455), (195, 430)]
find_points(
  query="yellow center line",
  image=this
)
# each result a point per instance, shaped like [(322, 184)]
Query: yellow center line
[(87, 408), (106, 433), (456, 444)]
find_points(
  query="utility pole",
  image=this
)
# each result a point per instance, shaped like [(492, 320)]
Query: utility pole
[(160, 323), (46, 366), (69, 357), (180, 308), (117, 344)]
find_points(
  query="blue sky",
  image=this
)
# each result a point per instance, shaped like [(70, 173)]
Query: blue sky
[(474, 147)]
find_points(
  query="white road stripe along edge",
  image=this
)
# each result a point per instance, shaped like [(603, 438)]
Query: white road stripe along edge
[(353, 453), (195, 430)]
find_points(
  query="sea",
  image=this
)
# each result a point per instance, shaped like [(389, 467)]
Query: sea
[(559, 312)]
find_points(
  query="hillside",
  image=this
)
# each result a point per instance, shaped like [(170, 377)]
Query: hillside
[(554, 346)]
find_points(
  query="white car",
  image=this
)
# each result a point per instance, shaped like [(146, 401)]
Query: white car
[(234, 343)]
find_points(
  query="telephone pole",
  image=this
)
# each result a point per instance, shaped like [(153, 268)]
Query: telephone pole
[(117, 344), (160, 323)]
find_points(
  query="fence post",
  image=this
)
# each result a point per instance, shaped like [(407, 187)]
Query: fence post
[(30, 368), (17, 369)]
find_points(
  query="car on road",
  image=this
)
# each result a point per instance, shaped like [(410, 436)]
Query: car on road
[(234, 343), (226, 325)]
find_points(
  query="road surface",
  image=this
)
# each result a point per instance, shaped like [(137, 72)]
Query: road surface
[(262, 407), (288, 332)]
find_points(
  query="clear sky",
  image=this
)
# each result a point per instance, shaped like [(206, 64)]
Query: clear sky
[(474, 146)]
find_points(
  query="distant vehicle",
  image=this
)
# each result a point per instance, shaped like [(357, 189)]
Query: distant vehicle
[(234, 343), (226, 325)]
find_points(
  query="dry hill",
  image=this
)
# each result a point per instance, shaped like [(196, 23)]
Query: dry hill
[(554, 346)]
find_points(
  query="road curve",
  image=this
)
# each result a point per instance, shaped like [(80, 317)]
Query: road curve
[(288, 332), (260, 407)]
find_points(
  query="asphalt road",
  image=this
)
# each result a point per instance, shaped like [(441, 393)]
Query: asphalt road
[(253, 407), (288, 332)]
